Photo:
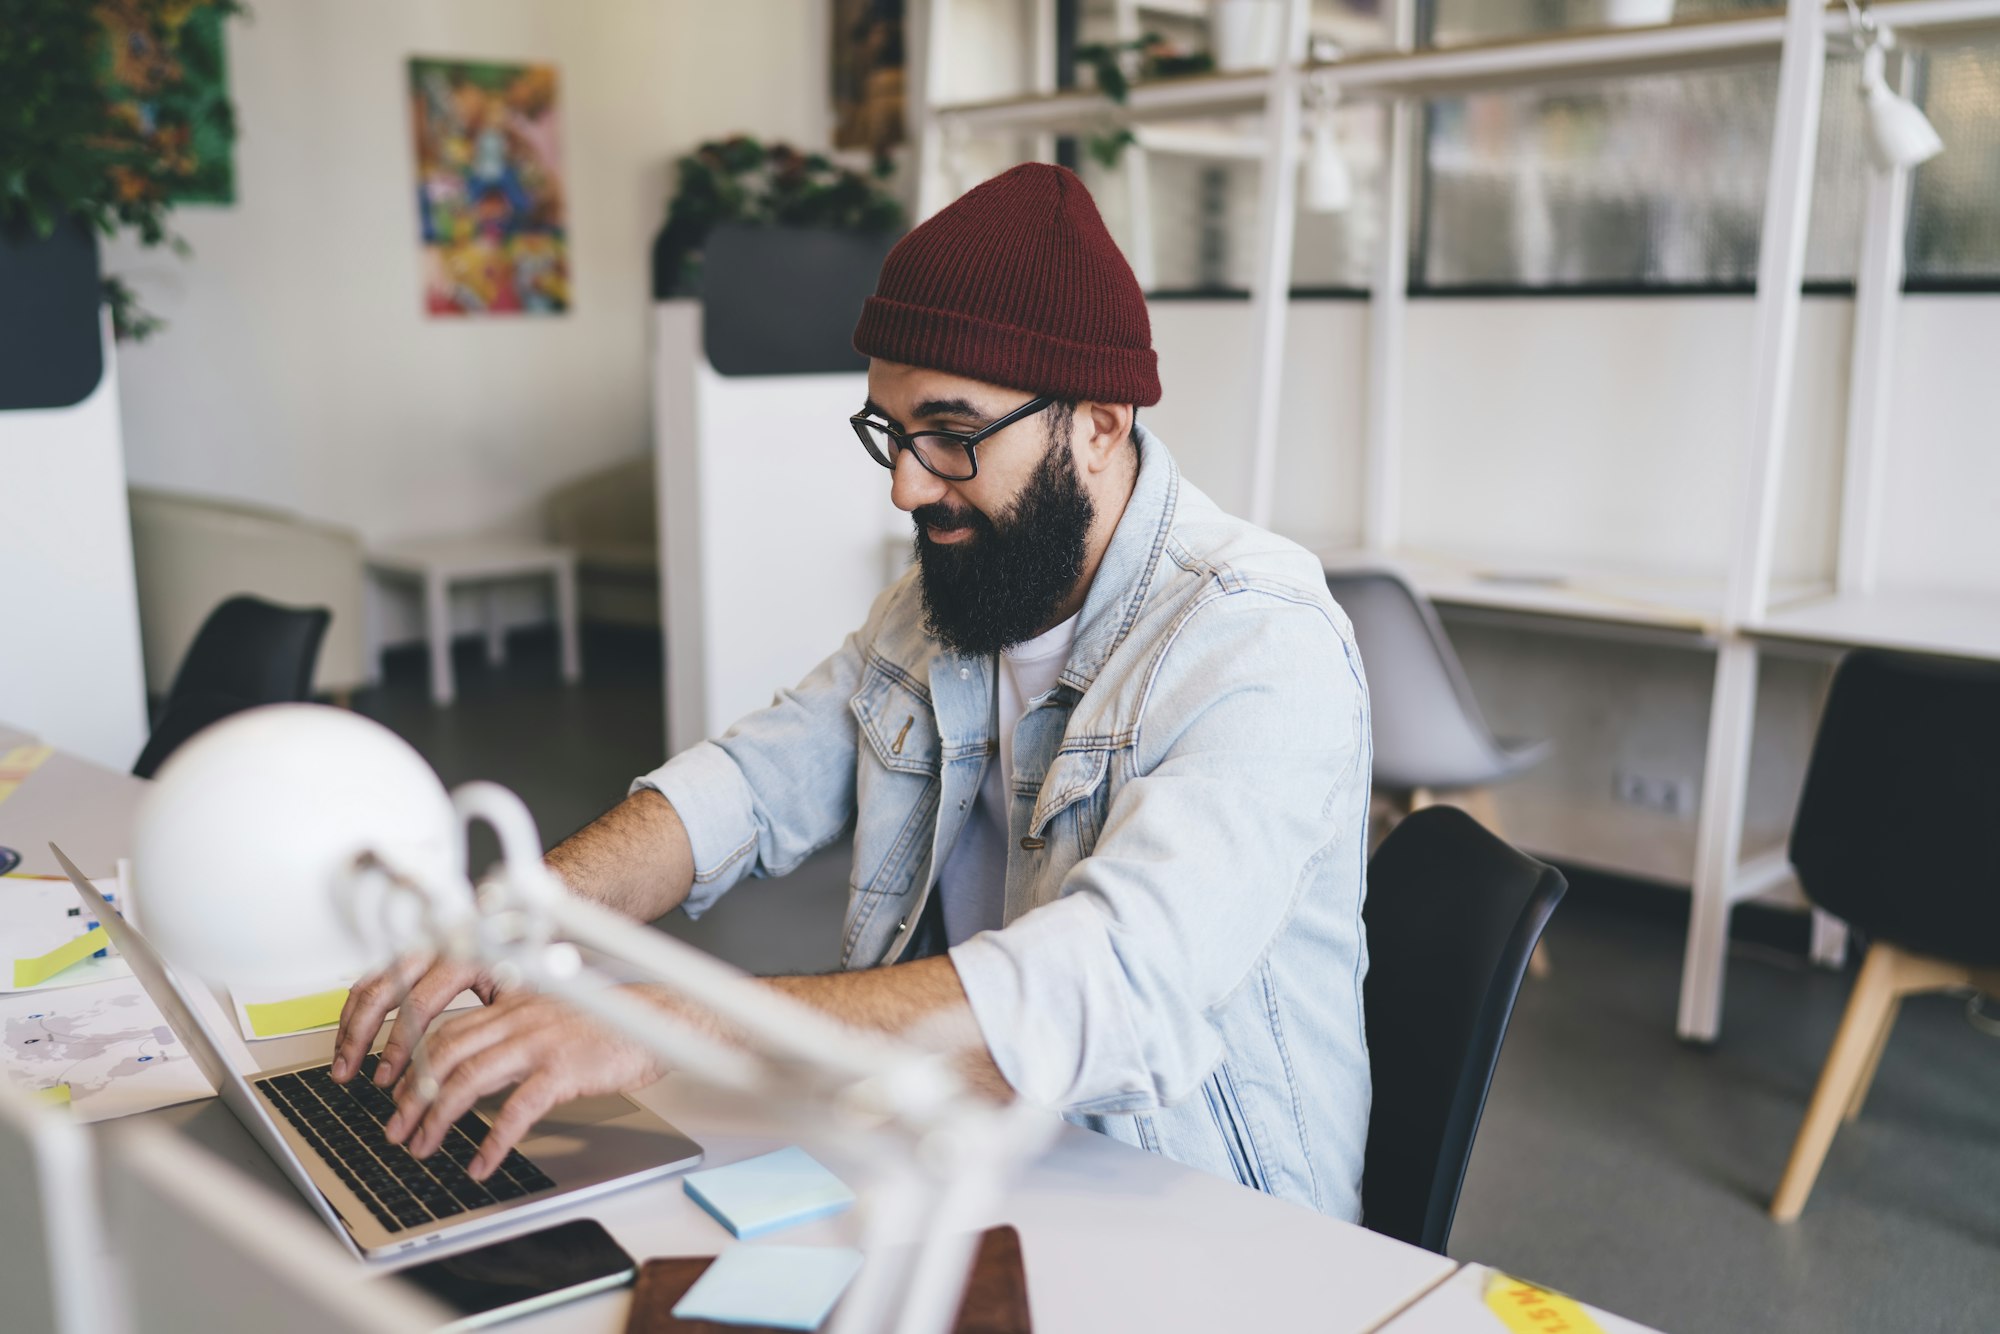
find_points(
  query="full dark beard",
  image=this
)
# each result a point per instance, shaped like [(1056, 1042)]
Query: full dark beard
[(1003, 587)]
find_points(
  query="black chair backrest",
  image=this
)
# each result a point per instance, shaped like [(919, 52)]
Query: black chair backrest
[(248, 652), (1898, 828), (1452, 915)]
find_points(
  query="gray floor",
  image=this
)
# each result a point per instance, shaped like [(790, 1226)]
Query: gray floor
[(1614, 1162)]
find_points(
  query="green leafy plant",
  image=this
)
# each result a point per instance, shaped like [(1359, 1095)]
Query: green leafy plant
[(1157, 59), (742, 180), (70, 152)]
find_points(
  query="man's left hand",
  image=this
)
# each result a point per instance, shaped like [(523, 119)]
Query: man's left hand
[(549, 1051)]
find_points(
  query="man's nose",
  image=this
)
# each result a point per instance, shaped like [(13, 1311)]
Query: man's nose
[(911, 484)]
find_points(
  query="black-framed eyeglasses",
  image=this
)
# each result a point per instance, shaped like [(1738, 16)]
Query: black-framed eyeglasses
[(951, 455)]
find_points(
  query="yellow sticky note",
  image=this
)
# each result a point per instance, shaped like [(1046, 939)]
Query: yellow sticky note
[(33, 972), (18, 763), (1526, 1309), (58, 1094), (273, 1019)]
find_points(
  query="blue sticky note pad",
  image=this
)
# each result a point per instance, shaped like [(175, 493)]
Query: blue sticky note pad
[(784, 1287), (763, 1194)]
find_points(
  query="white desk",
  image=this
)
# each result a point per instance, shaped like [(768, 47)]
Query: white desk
[(1112, 1238), (85, 807), (1459, 1304), (1954, 624), (1690, 607), (441, 563), (1729, 864)]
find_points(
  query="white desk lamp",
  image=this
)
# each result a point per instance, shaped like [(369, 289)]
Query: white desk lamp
[(297, 842)]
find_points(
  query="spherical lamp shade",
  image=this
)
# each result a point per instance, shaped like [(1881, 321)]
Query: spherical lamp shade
[(249, 835)]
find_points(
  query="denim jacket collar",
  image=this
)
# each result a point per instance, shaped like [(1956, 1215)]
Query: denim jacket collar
[(1125, 575)]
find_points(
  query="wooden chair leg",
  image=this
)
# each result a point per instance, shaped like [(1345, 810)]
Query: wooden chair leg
[(1868, 1010), (1478, 802), (1867, 1079)]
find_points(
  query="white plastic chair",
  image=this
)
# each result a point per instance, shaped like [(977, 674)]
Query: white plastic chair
[(206, 1248), (1432, 743), (51, 1240), (1430, 736)]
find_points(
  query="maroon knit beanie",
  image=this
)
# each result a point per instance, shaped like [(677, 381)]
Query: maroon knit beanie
[(1017, 283)]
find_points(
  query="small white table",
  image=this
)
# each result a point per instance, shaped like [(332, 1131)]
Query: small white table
[(439, 563)]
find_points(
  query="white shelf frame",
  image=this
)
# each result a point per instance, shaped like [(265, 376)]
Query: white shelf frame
[(1798, 37)]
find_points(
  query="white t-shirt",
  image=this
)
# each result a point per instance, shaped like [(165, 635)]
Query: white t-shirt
[(974, 884)]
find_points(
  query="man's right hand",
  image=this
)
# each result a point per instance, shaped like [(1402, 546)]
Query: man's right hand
[(422, 985)]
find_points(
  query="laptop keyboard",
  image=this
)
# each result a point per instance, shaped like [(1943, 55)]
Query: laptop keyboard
[(343, 1123)]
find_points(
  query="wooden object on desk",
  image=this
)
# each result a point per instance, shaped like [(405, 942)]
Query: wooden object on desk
[(996, 1299), (1888, 974)]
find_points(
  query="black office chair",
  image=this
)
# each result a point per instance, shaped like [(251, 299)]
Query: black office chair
[(1452, 915), (1898, 833), (248, 652)]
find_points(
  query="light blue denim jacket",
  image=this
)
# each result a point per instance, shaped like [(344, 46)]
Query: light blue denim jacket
[(1182, 958)]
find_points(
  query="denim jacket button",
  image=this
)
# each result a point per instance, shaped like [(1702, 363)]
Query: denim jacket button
[(964, 673), (1033, 844)]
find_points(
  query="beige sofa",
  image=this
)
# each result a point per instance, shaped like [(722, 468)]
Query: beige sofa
[(192, 552), (609, 519)]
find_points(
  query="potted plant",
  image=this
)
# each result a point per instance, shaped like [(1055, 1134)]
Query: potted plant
[(75, 163), (782, 246), (742, 181)]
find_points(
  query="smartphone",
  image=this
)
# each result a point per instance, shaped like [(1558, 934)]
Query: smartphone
[(527, 1273)]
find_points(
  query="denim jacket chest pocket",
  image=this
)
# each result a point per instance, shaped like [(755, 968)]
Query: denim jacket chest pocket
[(896, 788), (1063, 826)]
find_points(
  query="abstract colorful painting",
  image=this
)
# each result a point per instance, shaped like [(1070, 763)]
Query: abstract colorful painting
[(489, 188), (163, 73)]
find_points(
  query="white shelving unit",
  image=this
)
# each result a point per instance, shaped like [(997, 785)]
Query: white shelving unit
[(1736, 617)]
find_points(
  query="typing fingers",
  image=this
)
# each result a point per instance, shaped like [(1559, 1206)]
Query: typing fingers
[(425, 1001), (452, 1044), (368, 1003), (529, 1103), (484, 1072)]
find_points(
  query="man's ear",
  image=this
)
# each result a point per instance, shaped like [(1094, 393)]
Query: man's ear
[(1107, 428)]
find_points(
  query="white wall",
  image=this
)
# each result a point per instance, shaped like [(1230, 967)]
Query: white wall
[(70, 670), (299, 368)]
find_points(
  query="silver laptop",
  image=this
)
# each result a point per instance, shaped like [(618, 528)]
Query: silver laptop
[(328, 1138)]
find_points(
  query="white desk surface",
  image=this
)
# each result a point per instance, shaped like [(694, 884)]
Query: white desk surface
[(1112, 1238), (1689, 605), (1458, 1306), (85, 807), (1958, 624)]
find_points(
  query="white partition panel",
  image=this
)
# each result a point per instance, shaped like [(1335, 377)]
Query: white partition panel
[(772, 526), (69, 611)]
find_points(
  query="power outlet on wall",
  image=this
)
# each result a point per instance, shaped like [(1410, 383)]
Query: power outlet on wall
[(1668, 796)]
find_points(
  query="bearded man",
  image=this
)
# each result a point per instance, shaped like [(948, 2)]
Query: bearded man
[(1104, 751)]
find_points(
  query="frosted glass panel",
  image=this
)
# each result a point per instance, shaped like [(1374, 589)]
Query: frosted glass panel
[(1655, 181), (1955, 197), (1456, 22), (1200, 186)]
